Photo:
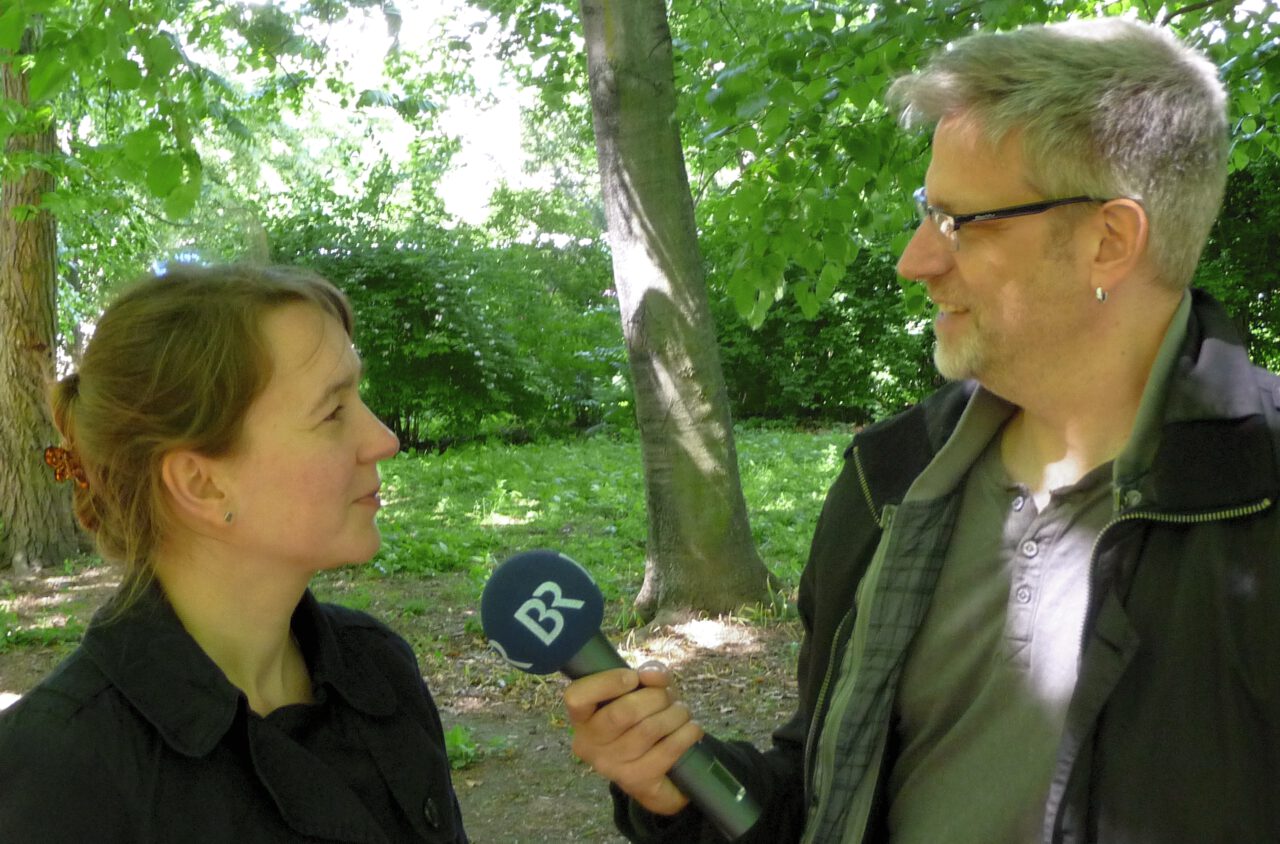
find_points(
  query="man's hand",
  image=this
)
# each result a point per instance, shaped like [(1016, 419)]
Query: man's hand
[(631, 728)]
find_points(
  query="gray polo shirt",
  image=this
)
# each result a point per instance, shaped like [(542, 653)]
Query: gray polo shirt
[(984, 692)]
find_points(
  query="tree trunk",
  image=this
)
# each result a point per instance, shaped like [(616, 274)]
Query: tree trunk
[(36, 525), (700, 552)]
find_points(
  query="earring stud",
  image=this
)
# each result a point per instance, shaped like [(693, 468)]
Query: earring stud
[(228, 517), (1100, 294)]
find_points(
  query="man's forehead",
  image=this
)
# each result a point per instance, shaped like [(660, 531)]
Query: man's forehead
[(964, 166)]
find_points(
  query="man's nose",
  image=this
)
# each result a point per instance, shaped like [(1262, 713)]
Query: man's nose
[(928, 254)]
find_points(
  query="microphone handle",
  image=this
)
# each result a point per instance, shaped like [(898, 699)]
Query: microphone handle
[(698, 774), (711, 787)]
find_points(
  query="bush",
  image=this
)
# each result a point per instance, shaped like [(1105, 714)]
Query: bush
[(864, 356), (462, 339)]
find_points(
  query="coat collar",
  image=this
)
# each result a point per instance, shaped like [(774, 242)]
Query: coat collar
[(1218, 439), (147, 654)]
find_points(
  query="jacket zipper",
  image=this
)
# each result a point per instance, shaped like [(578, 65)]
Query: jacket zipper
[(1162, 518), (811, 735), (866, 486), (810, 770)]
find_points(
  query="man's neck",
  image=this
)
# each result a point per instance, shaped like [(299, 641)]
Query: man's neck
[(1077, 419), (1045, 455)]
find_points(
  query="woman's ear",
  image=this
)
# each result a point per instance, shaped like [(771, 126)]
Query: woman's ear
[(191, 481)]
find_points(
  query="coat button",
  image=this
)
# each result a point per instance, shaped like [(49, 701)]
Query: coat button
[(431, 811)]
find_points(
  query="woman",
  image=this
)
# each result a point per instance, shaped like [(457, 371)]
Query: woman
[(219, 449)]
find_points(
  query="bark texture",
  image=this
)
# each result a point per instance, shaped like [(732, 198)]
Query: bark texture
[(701, 555), (37, 529)]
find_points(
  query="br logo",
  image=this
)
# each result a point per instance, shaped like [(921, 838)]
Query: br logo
[(535, 613)]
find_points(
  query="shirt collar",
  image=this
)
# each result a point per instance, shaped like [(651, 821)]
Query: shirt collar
[(1134, 461)]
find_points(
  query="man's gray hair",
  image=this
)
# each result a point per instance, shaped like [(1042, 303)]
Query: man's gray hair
[(1107, 108)]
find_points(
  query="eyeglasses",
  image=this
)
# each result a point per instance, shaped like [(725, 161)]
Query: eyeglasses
[(949, 225)]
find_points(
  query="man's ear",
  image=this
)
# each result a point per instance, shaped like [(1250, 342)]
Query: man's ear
[(194, 490), (1122, 243)]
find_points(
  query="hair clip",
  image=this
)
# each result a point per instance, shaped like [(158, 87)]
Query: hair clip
[(66, 466)]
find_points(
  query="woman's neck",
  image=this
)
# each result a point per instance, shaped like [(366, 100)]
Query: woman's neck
[(241, 619)]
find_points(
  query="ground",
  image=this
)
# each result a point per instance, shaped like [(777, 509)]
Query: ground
[(521, 784)]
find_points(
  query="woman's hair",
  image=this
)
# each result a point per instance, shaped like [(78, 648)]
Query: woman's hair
[(174, 362), (1107, 108)]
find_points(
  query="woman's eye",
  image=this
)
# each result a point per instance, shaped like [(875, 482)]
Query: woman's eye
[(333, 416)]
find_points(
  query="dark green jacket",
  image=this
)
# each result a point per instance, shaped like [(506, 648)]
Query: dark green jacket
[(1173, 733), (138, 737)]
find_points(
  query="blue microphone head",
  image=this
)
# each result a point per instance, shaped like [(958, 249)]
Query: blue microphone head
[(539, 609)]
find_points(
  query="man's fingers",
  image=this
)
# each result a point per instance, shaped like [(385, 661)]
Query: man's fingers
[(646, 778), (585, 695)]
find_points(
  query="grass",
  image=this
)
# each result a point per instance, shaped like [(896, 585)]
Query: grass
[(470, 508), (473, 506)]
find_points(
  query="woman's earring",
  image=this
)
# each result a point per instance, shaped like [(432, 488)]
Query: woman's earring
[(228, 517), (1100, 294)]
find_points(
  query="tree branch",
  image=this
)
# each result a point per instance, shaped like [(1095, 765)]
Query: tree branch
[(1191, 7), (728, 21)]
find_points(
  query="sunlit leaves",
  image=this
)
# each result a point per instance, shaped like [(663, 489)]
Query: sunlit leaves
[(790, 95), (13, 22), (124, 74)]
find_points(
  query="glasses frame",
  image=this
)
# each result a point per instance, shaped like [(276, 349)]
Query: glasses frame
[(949, 224)]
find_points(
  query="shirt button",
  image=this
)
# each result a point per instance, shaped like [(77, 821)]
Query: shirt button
[(1029, 548), (1023, 594), (431, 811), (1132, 498), (1019, 503)]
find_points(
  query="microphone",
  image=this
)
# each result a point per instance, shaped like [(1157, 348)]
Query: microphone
[(541, 612)]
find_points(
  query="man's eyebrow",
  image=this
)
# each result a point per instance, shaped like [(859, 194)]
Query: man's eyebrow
[(342, 385)]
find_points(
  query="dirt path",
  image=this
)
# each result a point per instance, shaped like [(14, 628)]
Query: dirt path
[(523, 785)]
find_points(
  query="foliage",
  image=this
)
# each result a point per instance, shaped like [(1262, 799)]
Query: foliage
[(13, 634), (166, 110), (863, 356), (1239, 265), (464, 751), (796, 166), (460, 338)]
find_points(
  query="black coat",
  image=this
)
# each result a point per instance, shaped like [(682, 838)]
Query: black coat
[(138, 737)]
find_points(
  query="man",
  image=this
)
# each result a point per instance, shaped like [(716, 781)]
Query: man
[(1043, 605)]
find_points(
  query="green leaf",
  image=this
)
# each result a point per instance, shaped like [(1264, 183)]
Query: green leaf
[(161, 54), (12, 24), (742, 287), (827, 281), (835, 244), (124, 74), (164, 173), (142, 146), (373, 97), (46, 77), (810, 256), (752, 106), (179, 203), (808, 303)]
